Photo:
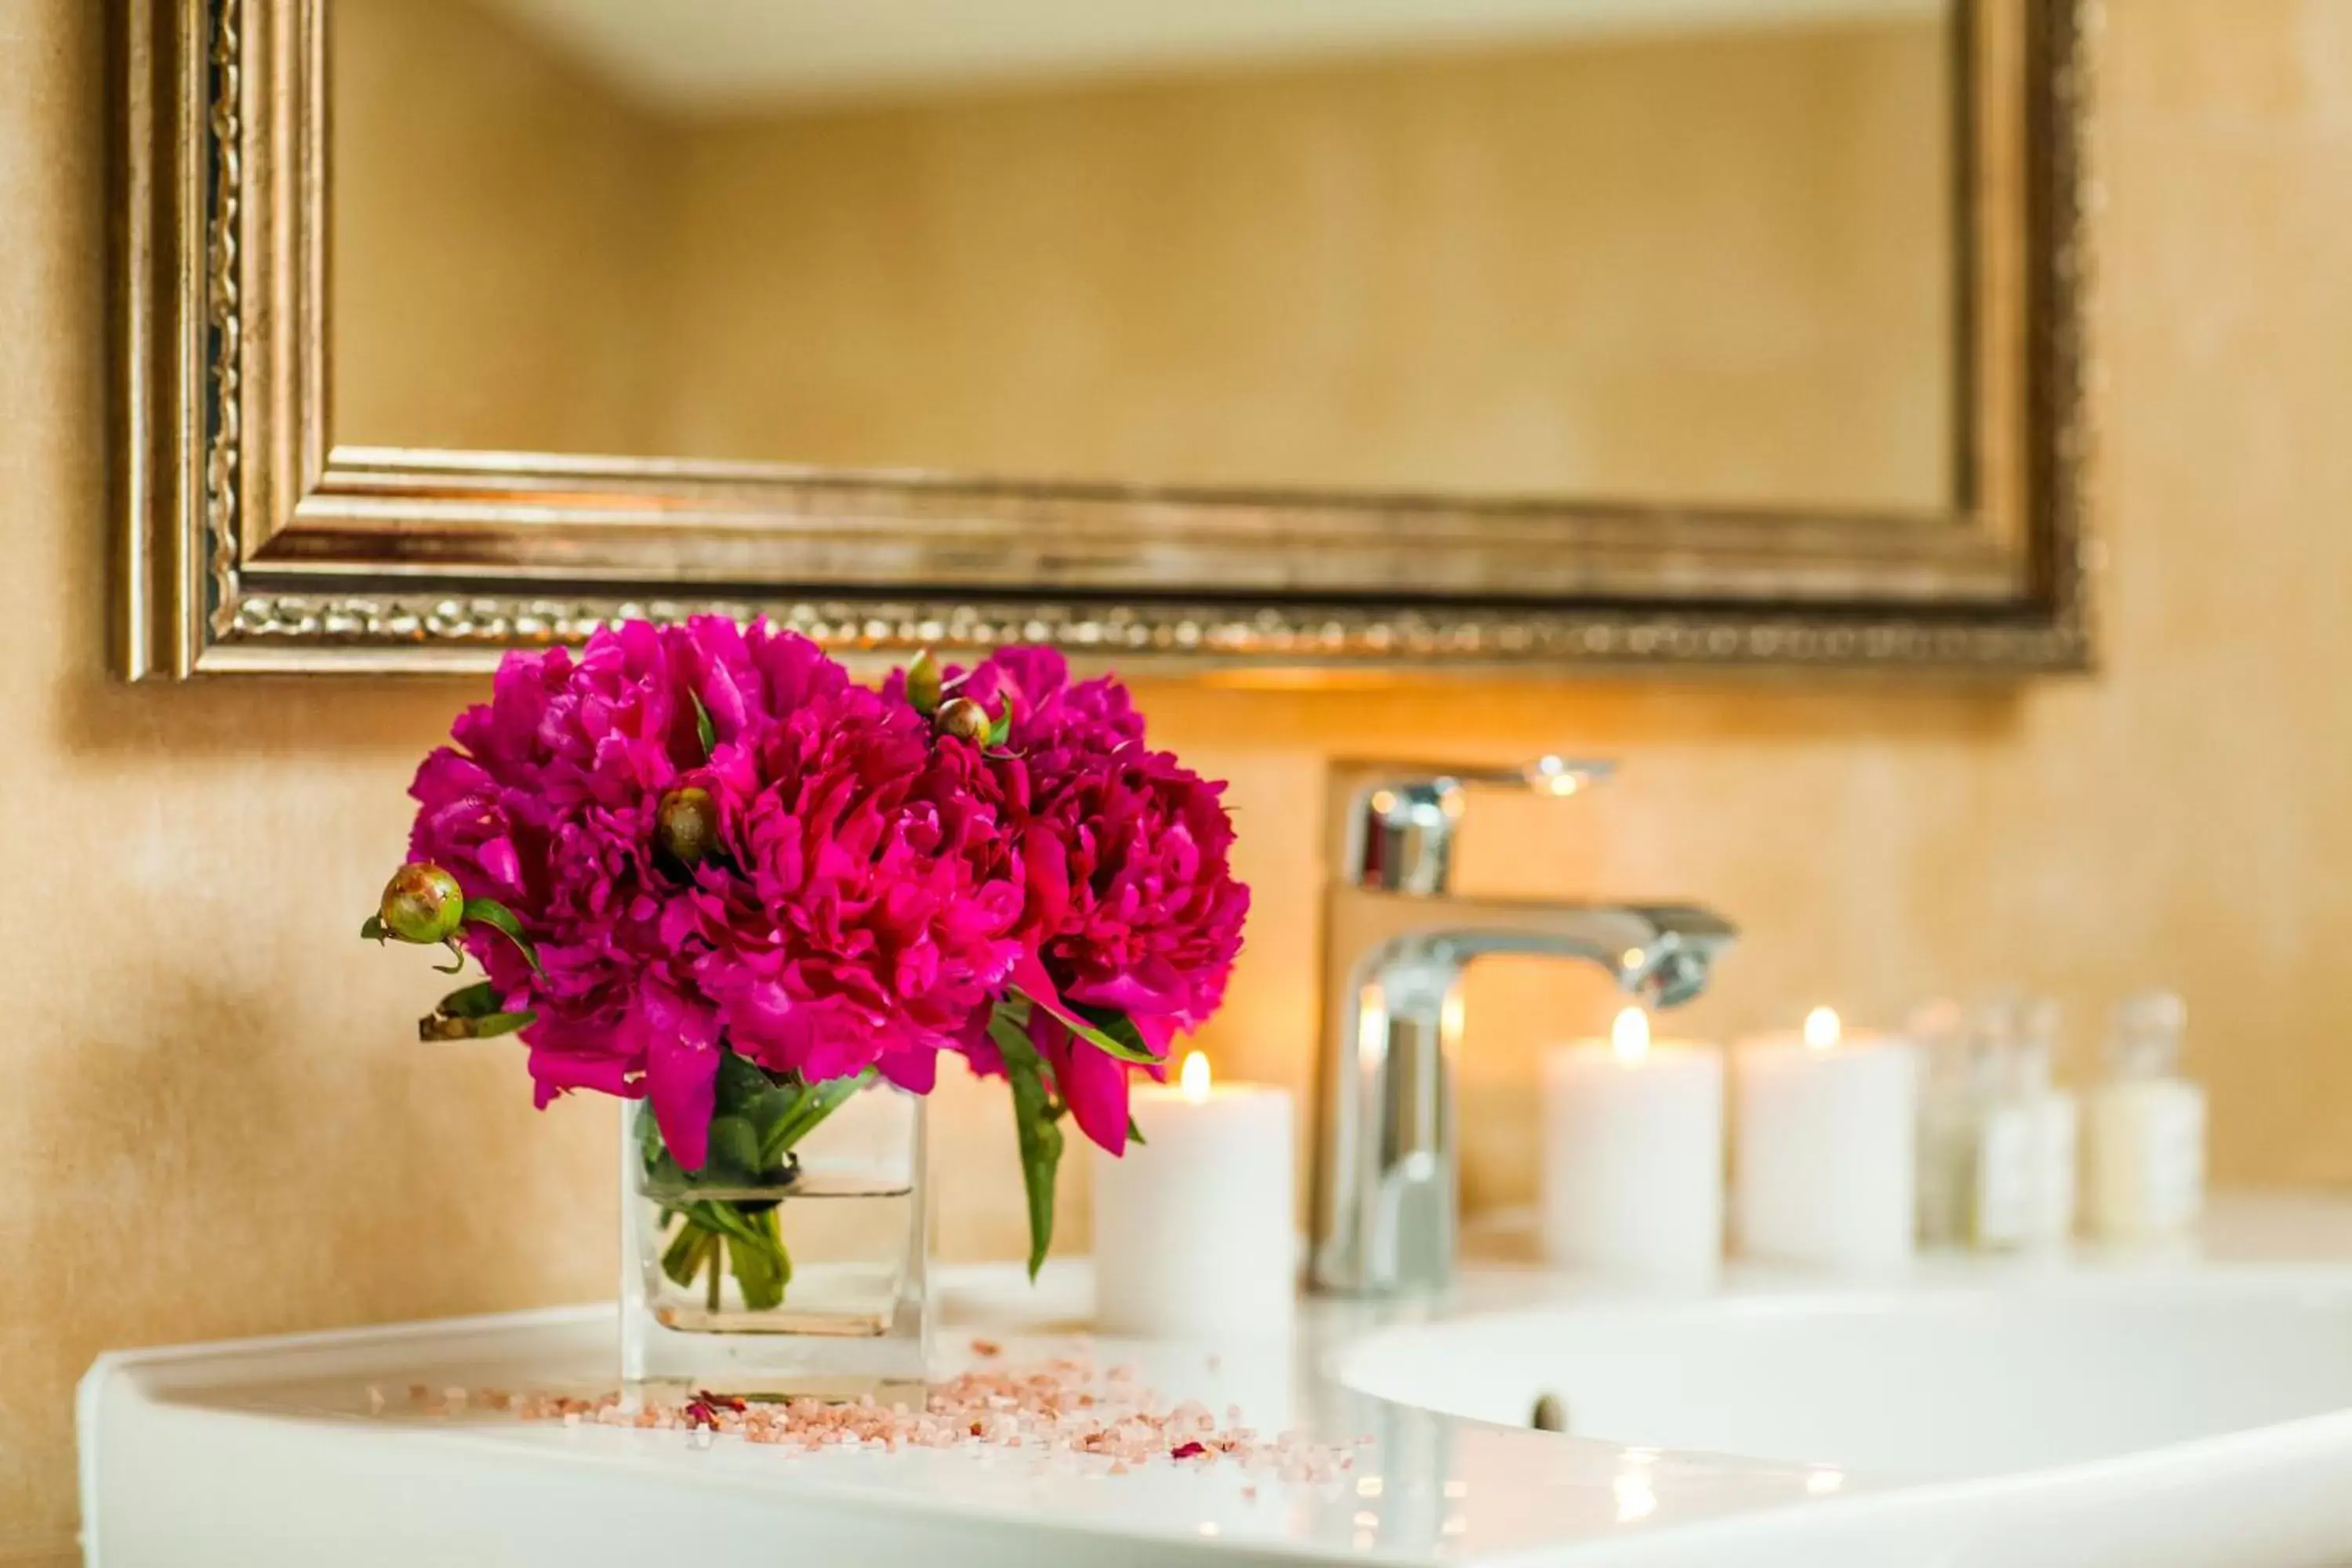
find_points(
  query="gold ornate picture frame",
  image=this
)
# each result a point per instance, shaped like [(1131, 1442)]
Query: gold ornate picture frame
[(251, 542)]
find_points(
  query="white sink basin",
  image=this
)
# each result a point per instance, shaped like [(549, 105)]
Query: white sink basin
[(2195, 1413), (1925, 1384)]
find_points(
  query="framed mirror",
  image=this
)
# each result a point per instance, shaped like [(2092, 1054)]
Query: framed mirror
[(1316, 333)]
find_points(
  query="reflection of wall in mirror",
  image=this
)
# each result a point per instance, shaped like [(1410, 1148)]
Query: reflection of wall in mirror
[(493, 238), (1701, 266)]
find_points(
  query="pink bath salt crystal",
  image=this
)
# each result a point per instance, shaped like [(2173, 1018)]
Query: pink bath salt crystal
[(1069, 1414)]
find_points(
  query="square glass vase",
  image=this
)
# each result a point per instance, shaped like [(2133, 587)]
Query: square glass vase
[(810, 1284)]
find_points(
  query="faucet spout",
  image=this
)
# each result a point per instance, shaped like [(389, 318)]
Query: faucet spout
[(1661, 953), (1397, 939)]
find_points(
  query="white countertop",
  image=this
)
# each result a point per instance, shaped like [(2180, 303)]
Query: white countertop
[(267, 1450)]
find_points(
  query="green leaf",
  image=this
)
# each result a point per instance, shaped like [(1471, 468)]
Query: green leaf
[(1133, 1046), (766, 1113), (650, 1147), (1116, 1036), (371, 930), (1134, 1133), (484, 1027), (737, 1084), (477, 1001), (734, 1151), (1033, 1125), (814, 1103), (492, 914), (923, 683), (704, 730), (456, 964), (1000, 728)]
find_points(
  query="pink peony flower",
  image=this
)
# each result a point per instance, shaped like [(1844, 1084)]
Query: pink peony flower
[(860, 913), (1132, 907), (870, 890), (866, 911)]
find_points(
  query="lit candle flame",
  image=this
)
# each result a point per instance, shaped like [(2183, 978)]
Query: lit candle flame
[(1822, 1028), (1630, 1036), (1194, 1078)]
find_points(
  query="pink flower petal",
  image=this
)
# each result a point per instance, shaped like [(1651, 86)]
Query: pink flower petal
[(915, 1069), (1093, 1083), (681, 1080)]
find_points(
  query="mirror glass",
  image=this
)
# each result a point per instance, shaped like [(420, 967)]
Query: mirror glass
[(1694, 252)]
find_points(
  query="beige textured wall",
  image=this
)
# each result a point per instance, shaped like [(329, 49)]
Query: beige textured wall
[(212, 1123), (1468, 273), (505, 226)]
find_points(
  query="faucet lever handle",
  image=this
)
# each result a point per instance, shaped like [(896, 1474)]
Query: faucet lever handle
[(1399, 829)]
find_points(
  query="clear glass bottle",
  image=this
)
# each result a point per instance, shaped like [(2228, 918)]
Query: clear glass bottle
[(2145, 1162), (2051, 1121), (2022, 1189), (793, 1264), (2000, 1199), (1948, 1110)]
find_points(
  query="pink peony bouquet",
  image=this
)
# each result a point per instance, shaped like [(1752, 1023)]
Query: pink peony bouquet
[(702, 867)]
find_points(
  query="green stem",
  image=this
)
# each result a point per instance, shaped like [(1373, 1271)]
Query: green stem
[(688, 1250), (744, 1237), (816, 1101)]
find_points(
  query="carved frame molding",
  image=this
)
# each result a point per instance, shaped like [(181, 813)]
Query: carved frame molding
[(248, 542)]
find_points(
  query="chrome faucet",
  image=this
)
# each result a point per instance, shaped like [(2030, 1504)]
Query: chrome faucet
[(1397, 938)]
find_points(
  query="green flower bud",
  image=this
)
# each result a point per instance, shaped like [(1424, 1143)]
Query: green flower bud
[(964, 718), (923, 683), (422, 903), (686, 825)]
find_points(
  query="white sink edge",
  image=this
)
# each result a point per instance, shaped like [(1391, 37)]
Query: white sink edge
[(1730, 1507)]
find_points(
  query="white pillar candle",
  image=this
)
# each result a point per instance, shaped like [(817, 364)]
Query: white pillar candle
[(1632, 1156), (1193, 1233), (1822, 1147)]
